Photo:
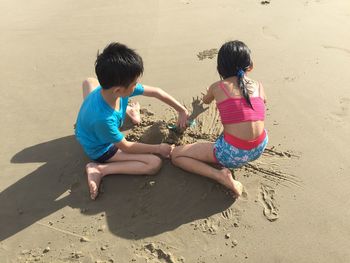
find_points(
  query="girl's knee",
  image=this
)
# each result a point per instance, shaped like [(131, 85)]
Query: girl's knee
[(175, 152), (154, 165)]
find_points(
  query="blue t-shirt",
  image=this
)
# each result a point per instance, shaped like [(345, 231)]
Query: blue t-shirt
[(97, 126)]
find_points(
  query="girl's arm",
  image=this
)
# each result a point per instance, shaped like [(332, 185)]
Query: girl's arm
[(262, 92), (208, 97), (168, 99)]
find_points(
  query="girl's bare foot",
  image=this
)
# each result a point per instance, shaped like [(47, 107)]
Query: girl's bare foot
[(227, 180), (133, 111), (94, 178)]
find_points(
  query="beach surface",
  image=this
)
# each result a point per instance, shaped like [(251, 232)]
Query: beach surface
[(295, 206)]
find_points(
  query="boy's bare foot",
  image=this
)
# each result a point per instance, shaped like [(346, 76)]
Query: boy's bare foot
[(227, 180), (133, 111), (94, 178)]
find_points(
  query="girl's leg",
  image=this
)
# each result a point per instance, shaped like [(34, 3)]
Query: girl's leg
[(89, 85), (194, 158), (121, 163)]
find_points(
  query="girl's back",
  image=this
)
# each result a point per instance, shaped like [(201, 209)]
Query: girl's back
[(238, 117)]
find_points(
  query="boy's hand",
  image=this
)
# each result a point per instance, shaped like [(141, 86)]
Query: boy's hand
[(165, 150), (182, 119)]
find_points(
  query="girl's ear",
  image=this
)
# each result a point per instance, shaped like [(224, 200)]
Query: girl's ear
[(250, 68)]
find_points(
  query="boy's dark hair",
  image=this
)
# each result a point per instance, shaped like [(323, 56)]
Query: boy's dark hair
[(117, 65), (234, 60)]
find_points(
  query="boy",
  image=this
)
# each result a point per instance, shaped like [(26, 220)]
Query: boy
[(102, 113)]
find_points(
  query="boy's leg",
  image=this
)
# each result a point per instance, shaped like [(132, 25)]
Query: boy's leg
[(89, 85), (194, 158), (121, 163)]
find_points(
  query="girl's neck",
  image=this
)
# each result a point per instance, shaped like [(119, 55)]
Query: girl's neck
[(232, 79), (232, 82)]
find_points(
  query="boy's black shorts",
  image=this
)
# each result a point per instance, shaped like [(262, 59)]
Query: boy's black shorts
[(107, 155)]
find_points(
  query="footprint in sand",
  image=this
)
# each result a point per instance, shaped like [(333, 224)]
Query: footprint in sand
[(344, 108), (229, 213), (267, 32), (209, 225), (268, 201), (233, 216), (289, 79), (152, 252)]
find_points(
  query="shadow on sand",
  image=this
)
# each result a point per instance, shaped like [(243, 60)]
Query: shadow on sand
[(135, 206)]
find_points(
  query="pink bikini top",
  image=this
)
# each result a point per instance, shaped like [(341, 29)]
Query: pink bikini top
[(235, 110)]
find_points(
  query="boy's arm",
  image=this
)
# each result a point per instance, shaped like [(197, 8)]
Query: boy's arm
[(208, 97), (168, 99), (163, 149)]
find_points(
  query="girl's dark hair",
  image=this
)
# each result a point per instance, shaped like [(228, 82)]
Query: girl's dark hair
[(234, 60), (117, 65)]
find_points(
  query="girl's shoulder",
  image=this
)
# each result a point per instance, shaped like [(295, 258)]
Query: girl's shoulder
[(213, 88), (215, 85), (253, 86), (256, 89), (251, 82)]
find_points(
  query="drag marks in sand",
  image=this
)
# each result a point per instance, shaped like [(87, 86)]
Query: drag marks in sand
[(345, 50), (268, 167)]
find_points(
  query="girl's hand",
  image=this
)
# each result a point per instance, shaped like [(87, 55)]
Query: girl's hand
[(208, 96), (165, 149), (182, 119), (204, 93)]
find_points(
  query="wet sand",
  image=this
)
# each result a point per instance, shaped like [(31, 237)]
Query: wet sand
[(295, 203)]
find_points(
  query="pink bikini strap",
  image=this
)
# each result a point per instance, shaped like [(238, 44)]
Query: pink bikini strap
[(223, 88), (260, 85)]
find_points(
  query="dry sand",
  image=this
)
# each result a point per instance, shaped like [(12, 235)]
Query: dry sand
[(295, 207)]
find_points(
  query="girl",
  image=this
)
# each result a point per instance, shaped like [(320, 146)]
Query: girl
[(241, 104)]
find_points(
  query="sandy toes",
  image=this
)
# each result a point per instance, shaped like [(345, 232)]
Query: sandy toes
[(133, 110), (94, 178), (227, 180)]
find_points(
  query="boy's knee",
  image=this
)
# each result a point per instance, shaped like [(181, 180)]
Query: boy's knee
[(88, 82), (154, 165)]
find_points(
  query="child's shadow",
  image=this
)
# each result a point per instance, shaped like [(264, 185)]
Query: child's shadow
[(135, 206)]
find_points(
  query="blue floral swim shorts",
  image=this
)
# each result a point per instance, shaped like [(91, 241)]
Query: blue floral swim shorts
[(232, 157)]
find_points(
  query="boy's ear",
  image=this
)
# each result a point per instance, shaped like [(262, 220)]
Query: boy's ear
[(117, 90)]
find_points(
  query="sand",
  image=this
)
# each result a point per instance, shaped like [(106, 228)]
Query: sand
[(295, 206)]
